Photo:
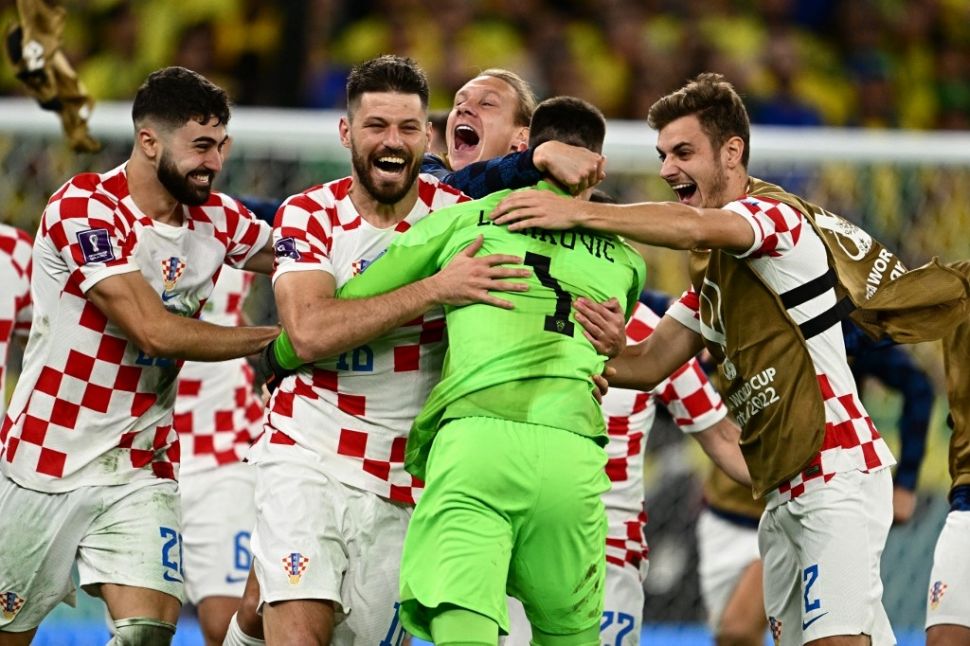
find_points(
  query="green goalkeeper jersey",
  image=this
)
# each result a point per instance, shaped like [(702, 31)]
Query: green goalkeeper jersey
[(530, 364)]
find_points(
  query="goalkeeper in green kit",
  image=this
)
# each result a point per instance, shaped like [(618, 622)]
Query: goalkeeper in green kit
[(510, 441)]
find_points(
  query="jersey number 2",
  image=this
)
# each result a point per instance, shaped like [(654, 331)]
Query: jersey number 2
[(559, 321)]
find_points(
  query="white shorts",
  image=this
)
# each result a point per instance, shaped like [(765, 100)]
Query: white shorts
[(218, 516), (821, 556), (317, 538), (125, 534), (725, 551), (948, 601)]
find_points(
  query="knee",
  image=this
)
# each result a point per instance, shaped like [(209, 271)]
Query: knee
[(142, 631), (247, 616)]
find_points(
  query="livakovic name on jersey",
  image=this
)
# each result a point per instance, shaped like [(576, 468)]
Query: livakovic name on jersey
[(597, 246)]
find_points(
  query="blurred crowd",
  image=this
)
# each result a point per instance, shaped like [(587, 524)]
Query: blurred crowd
[(868, 63)]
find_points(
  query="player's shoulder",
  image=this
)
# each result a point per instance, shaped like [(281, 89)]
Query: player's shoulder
[(88, 195), (763, 205), (436, 194), (319, 197)]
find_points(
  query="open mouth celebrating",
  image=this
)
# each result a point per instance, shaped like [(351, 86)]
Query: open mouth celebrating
[(684, 190), (465, 137), (391, 163)]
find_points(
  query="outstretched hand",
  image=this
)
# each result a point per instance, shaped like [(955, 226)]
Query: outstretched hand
[(535, 208), (469, 279), (604, 325)]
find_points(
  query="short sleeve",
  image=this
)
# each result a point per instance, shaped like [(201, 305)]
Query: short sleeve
[(302, 241), (84, 232), (691, 400), (686, 311), (776, 226)]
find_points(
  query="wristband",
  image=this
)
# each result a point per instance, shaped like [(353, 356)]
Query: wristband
[(284, 352)]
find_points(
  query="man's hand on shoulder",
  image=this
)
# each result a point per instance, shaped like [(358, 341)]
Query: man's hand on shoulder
[(575, 168), (535, 208), (469, 279)]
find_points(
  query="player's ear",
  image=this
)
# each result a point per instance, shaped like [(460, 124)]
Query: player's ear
[(520, 139), (732, 151), (148, 142), (344, 132)]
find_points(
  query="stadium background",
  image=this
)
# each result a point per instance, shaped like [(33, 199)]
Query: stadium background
[(850, 100)]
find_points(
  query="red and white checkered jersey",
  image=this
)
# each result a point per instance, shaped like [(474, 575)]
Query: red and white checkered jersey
[(694, 405), (90, 408), (787, 253), (15, 248), (218, 414), (355, 410)]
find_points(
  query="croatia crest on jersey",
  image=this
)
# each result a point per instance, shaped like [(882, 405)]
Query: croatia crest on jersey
[(172, 270), (774, 625), (10, 604), (294, 564), (936, 594)]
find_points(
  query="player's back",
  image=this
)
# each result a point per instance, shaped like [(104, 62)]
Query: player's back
[(532, 363)]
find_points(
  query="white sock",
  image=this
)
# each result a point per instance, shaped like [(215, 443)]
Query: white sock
[(236, 637)]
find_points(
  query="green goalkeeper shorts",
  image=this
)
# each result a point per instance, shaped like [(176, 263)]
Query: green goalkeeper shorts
[(508, 507)]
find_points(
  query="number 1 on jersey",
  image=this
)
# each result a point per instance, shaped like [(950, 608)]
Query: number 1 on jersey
[(559, 321)]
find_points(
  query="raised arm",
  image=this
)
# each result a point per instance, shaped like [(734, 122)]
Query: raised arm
[(665, 224), (573, 167)]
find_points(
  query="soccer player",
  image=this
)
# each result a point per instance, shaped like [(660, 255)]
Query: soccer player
[(15, 310), (493, 102), (487, 134), (217, 416), (697, 409), (510, 441), (727, 529), (123, 261), (948, 598), (332, 498), (765, 306)]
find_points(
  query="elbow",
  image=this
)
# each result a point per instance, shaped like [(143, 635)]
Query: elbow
[(153, 344), (304, 346), (310, 344)]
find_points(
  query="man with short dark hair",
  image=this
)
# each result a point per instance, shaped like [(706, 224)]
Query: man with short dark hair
[(332, 497), (123, 262), (767, 301), (510, 440)]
